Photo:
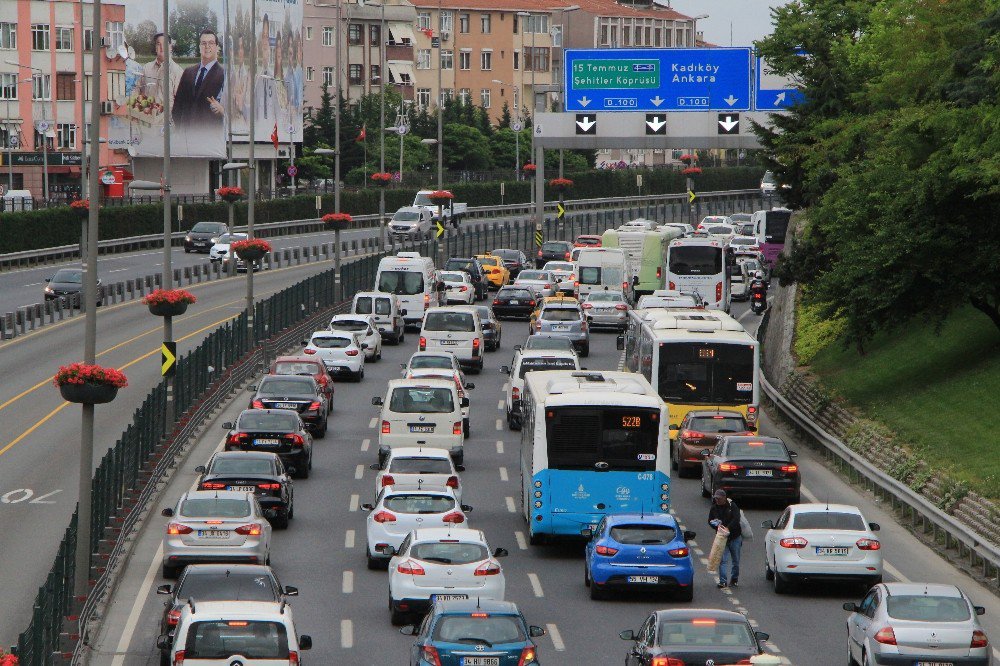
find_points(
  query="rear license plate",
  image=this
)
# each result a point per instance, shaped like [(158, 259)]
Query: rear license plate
[(512, 302), (560, 328), (242, 489), (760, 472), (448, 342), (285, 405), (644, 579), (266, 442), (421, 428), (480, 661), (213, 534), (832, 551), (935, 663), (447, 597)]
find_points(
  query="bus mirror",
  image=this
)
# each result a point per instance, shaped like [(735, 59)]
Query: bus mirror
[(674, 426)]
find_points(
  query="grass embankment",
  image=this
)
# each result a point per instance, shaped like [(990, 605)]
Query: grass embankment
[(938, 391)]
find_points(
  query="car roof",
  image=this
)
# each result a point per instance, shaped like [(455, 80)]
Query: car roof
[(642, 518), (246, 455), (245, 569), (752, 438), (417, 382), (297, 359), (432, 353), (916, 589), (418, 452), (695, 613), (438, 533), (465, 606), (410, 488), (215, 494), (704, 413), (333, 333), (548, 353), (349, 316), (226, 610)]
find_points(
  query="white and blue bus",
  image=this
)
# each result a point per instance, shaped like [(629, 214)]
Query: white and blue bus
[(592, 443)]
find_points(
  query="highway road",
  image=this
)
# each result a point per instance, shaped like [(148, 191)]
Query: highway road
[(343, 604)]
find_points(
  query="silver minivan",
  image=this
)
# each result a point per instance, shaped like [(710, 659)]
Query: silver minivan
[(455, 329)]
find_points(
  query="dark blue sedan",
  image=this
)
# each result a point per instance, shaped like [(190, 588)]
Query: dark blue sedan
[(474, 633), (639, 552)]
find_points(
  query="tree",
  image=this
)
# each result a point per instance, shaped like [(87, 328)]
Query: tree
[(321, 123), (505, 117), (140, 38), (465, 148), (187, 20)]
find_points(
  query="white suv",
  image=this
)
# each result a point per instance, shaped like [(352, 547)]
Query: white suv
[(529, 360), (341, 352)]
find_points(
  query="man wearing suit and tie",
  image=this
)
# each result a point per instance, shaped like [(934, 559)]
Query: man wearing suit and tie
[(199, 93)]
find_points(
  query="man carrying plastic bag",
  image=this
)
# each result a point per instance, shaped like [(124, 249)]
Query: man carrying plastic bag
[(724, 517)]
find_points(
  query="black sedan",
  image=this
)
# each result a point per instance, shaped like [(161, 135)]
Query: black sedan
[(553, 250), (257, 472), (67, 284), (749, 466), (203, 236), (278, 431), (513, 260), (514, 303), (693, 636), (300, 394), (492, 331)]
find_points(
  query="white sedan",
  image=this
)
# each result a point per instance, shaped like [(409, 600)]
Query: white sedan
[(219, 252), (542, 283), (341, 352), (565, 274), (415, 465), (458, 287), (822, 542), (438, 564), (366, 329)]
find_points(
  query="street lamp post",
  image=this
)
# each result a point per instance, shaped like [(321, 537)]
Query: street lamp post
[(440, 109), (336, 233), (563, 32), (336, 115)]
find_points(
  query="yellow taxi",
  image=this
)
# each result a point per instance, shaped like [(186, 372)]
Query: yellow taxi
[(496, 272), (559, 300)]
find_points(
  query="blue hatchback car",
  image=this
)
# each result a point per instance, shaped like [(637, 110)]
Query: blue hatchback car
[(470, 632), (639, 552)]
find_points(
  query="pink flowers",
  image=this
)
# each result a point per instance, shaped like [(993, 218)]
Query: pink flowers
[(692, 171), (381, 178), (441, 196), (79, 373), (168, 297), (560, 184), (333, 218), (252, 244), (230, 193), (529, 168)]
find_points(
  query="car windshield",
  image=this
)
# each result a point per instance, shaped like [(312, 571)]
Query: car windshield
[(588, 240), (450, 322), (484, 313), (534, 364), (71, 276), (419, 466), (927, 608), (483, 629), (605, 297), (508, 255), (560, 314), (286, 386), (363, 305), (420, 362), (267, 421), (240, 465), (643, 535), (221, 639), (559, 266), (212, 507), (207, 228), (720, 230), (555, 246), (449, 553), (227, 586), (743, 241), (533, 275), (489, 261), (467, 265), (829, 520), (757, 450), (419, 504), (295, 368), (717, 424), (403, 283), (454, 276), (515, 294), (547, 342), (322, 342), (413, 400), (349, 325), (406, 216), (706, 632), (226, 239)]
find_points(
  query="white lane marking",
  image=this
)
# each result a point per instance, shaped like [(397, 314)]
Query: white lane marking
[(745, 313), (33, 284), (348, 585), (808, 494), (365, 443), (557, 641), (346, 634), (704, 560), (506, 385), (355, 500), (371, 424), (522, 543), (499, 424), (501, 404), (119, 270), (894, 572), (510, 504), (698, 551), (349, 539), (359, 471), (536, 585), (133, 616), (503, 474), (499, 446)]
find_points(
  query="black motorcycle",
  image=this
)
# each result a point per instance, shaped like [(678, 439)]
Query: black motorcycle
[(758, 298)]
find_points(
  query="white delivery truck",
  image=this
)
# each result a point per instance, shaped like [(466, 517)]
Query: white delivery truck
[(413, 280), (451, 213)]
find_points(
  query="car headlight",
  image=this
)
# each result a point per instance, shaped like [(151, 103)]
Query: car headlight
[(48, 290), (187, 238), (215, 240)]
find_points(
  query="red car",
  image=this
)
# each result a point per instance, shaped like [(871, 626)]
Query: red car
[(303, 365), (587, 241), (701, 430)]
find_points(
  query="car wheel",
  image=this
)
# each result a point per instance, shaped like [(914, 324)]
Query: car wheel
[(673, 459), (535, 539), (401, 339), (459, 459), (372, 562), (864, 659), (596, 593), (187, 251), (768, 571), (169, 572), (586, 574), (466, 429), (686, 593), (781, 584), (850, 657), (378, 354), (396, 617), (304, 472), (512, 423), (280, 522), (291, 510), (360, 376)]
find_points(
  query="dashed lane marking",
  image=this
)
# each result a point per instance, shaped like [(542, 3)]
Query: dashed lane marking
[(355, 500), (371, 424), (499, 446), (699, 551), (894, 572), (557, 641), (510, 504), (365, 443), (503, 474), (346, 634), (348, 585), (499, 424), (536, 585), (359, 471), (501, 405), (522, 543), (808, 494), (349, 539)]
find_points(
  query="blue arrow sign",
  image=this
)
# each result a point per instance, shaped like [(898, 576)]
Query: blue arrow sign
[(773, 92), (716, 79)]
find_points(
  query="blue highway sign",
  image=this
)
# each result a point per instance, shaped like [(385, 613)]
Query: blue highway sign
[(773, 92), (708, 79)]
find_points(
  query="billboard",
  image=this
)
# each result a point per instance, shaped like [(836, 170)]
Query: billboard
[(213, 42)]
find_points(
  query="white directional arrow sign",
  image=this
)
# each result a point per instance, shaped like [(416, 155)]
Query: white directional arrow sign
[(656, 123), (729, 123), (586, 124), (730, 100), (657, 101), (779, 99), (584, 101)]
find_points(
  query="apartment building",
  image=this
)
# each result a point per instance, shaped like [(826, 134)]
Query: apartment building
[(42, 93)]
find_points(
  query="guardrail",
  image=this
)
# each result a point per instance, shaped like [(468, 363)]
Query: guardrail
[(708, 203), (920, 512)]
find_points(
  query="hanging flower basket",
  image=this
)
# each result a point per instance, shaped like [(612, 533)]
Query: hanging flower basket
[(89, 384), (529, 168), (381, 179), (252, 249), (561, 185), (692, 171), (337, 221), (7, 659), (687, 158), (81, 206), (230, 194), (169, 302), (440, 197)]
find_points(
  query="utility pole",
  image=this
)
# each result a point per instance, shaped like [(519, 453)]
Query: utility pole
[(440, 114), (252, 168), (168, 245), (381, 124)]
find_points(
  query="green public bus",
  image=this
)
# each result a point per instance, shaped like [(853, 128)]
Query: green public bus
[(646, 251)]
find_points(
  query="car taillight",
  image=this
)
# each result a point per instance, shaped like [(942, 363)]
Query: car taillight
[(269, 486), (659, 272), (178, 528), (179, 658), (351, 352), (212, 485), (728, 467), (252, 529), (496, 301), (624, 286), (293, 658), (386, 428), (475, 346), (488, 569), (793, 542), (673, 286), (314, 406), (566, 255), (173, 616), (621, 306), (387, 480), (515, 393), (678, 552), (452, 482), (588, 306), (667, 661), (384, 517), (423, 343), (869, 544), (456, 428), (430, 654), (463, 288), (528, 655), (718, 291), (790, 469), (583, 326), (257, 404), (885, 636), (235, 439), (411, 567), (979, 639), (309, 352), (691, 434), (539, 253), (547, 286), (531, 303), (295, 440), (606, 550)]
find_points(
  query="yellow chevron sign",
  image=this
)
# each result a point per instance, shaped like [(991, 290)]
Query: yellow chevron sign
[(168, 359)]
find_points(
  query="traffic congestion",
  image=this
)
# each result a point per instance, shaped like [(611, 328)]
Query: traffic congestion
[(512, 460)]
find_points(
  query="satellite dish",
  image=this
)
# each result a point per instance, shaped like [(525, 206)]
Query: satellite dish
[(109, 53), (131, 150)]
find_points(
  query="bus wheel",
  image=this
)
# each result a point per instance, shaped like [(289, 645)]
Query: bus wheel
[(535, 539)]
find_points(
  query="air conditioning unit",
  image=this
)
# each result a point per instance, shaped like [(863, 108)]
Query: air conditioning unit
[(107, 107), (445, 35)]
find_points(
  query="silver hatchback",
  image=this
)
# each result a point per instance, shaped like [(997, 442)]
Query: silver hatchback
[(565, 321), (606, 309)]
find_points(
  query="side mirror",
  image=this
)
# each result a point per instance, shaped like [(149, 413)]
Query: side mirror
[(850, 607), (535, 632), (375, 466), (164, 589), (163, 642), (305, 642), (408, 630), (500, 552), (402, 366), (252, 388), (228, 425), (505, 369), (793, 454), (674, 426), (466, 508), (48, 279), (627, 635), (385, 549), (168, 512), (980, 610), (761, 636), (270, 514), (688, 535), (364, 345), (620, 342), (377, 401), (403, 312), (368, 507), (470, 386), (291, 591), (465, 402), (767, 524), (459, 468), (200, 469), (305, 342), (874, 527), (292, 471)]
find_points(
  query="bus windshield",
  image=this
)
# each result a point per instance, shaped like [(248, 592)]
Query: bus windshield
[(695, 260), (707, 373), (404, 283), (623, 437)]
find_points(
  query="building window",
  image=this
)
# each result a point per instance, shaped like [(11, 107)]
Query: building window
[(447, 21), (116, 34), (39, 138), (447, 59), (41, 87), (626, 35), (484, 22), (463, 23), (328, 77), (88, 39), (88, 88), (355, 74), (64, 39), (8, 35), (486, 60), (327, 35), (423, 97), (464, 59), (423, 58), (465, 96), (40, 37), (116, 85), (484, 98), (446, 95), (536, 59), (65, 86), (8, 86), (355, 34), (66, 136), (557, 35), (309, 73), (517, 60), (374, 35), (309, 32), (424, 20), (536, 23), (376, 74)]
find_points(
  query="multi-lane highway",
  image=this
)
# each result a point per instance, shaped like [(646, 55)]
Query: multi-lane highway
[(343, 605)]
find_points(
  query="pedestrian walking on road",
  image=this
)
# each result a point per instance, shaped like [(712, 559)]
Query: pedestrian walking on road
[(724, 512)]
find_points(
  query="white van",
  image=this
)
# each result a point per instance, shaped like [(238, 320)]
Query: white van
[(18, 200), (384, 308), (421, 412), (456, 329), (601, 268), (222, 633), (414, 282)]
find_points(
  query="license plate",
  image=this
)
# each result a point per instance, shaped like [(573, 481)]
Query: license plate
[(832, 551), (448, 342), (422, 428), (285, 405), (935, 663), (448, 597), (760, 472), (213, 534), (513, 302), (560, 328), (644, 579), (242, 489), (266, 442), (481, 661)]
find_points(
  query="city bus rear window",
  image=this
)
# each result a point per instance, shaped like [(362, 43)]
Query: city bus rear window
[(623, 437), (695, 260), (706, 373)]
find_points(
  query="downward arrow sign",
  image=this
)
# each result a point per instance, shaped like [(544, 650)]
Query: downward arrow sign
[(657, 101), (728, 124), (655, 123), (731, 100), (584, 101), (586, 123)]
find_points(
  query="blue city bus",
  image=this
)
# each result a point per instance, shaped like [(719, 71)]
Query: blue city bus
[(593, 443)]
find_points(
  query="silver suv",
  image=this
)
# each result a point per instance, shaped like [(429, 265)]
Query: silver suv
[(564, 321)]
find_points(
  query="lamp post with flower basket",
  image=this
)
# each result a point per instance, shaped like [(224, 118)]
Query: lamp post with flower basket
[(561, 186), (381, 179), (338, 222), (251, 250), (89, 384), (440, 198), (169, 302)]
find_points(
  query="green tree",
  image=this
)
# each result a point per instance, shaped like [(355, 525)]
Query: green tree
[(465, 148), (140, 38), (321, 123), (505, 117), (187, 20)]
